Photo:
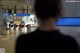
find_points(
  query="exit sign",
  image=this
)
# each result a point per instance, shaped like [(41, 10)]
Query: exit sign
[(72, 0)]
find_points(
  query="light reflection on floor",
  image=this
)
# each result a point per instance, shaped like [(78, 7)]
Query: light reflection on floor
[(7, 40)]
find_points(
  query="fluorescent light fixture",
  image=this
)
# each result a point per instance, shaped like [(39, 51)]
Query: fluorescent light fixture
[(72, 1)]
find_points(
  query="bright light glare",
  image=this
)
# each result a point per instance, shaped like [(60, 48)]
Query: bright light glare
[(14, 14), (32, 16)]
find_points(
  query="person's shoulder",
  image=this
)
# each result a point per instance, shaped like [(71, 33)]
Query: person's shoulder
[(26, 36), (68, 38), (64, 36)]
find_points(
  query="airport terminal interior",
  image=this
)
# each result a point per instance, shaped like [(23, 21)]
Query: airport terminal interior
[(17, 17)]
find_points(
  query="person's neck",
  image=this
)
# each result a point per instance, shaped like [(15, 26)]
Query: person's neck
[(47, 27)]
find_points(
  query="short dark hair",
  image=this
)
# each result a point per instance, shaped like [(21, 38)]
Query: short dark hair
[(44, 9)]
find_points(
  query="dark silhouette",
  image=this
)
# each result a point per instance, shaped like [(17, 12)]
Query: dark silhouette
[(46, 39)]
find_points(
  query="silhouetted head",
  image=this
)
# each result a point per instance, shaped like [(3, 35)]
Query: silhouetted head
[(48, 12), (45, 9)]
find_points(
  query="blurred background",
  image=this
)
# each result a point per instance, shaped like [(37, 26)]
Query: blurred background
[(17, 17)]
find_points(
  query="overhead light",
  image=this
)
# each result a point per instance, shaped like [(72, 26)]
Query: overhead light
[(72, 1)]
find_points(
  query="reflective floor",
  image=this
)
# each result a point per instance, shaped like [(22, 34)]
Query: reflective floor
[(7, 41)]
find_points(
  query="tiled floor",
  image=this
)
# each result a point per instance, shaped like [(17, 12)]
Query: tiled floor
[(7, 41)]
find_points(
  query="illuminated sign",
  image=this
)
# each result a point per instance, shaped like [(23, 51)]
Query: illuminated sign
[(68, 21), (22, 14)]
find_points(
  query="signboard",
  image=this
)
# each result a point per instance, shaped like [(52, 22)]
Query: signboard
[(68, 21), (22, 14)]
